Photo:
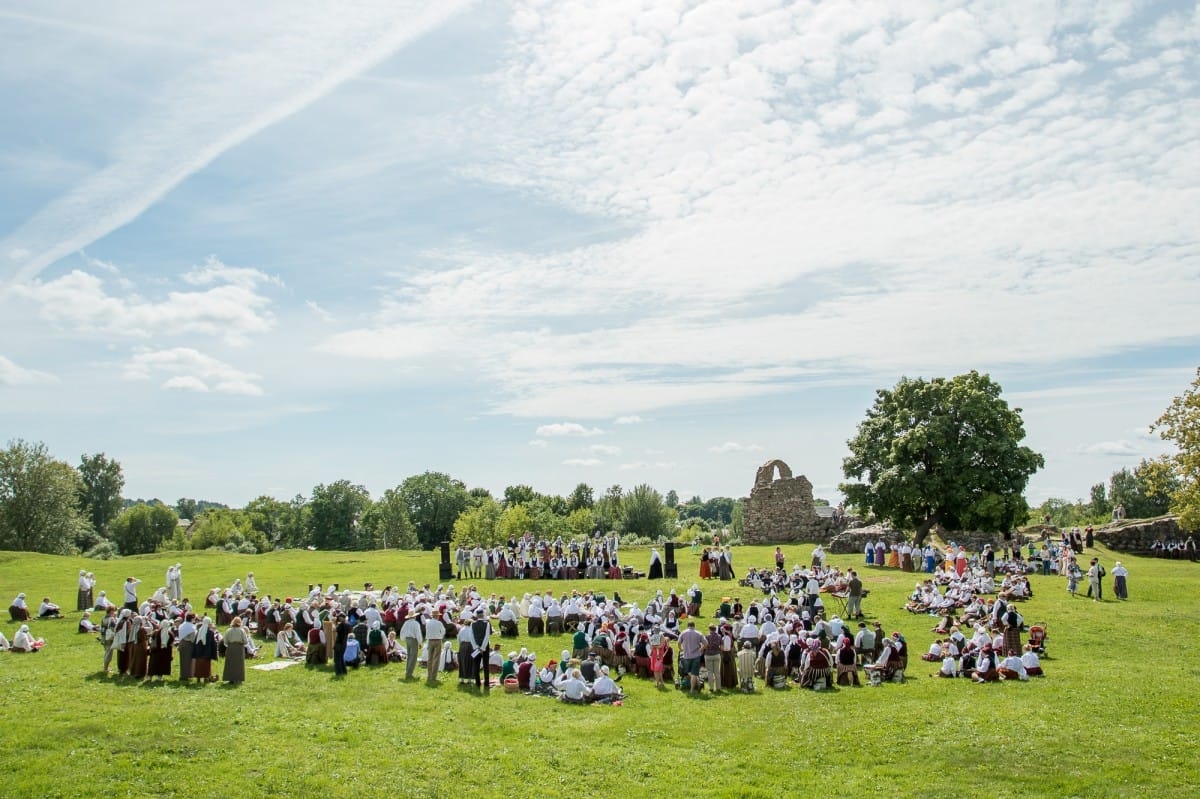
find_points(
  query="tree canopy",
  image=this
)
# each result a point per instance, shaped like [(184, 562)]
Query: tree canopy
[(100, 499), (140, 529), (1180, 423), (39, 501), (434, 502), (942, 451)]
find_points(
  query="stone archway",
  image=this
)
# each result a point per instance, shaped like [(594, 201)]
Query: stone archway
[(766, 473)]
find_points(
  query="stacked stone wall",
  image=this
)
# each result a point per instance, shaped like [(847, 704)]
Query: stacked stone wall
[(781, 509)]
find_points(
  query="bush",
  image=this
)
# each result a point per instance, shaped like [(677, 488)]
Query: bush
[(105, 550)]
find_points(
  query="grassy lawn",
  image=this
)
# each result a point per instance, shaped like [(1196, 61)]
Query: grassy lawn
[(1115, 717)]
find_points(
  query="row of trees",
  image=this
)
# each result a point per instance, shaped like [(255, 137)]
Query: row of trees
[(942, 451), (1144, 492), (47, 505)]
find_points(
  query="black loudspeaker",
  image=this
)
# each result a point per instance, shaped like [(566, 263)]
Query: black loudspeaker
[(670, 568), (445, 568)]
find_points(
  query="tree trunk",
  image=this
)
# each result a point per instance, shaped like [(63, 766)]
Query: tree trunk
[(925, 527)]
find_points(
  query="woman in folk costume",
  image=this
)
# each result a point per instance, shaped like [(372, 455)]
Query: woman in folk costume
[(705, 565), (288, 643), (205, 651), (125, 635), (235, 652), (893, 558), (960, 560), (847, 663), (725, 564), (729, 677), (376, 645), (139, 659), (185, 635), (84, 600), (656, 566), (162, 650), (816, 665)]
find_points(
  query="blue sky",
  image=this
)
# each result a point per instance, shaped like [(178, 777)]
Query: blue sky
[(250, 249)]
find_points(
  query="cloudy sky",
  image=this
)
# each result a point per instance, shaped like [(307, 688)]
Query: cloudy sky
[(249, 248)]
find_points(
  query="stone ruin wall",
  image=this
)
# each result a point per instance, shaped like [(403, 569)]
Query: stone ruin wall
[(780, 510)]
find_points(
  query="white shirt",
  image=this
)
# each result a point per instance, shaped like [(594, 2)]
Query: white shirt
[(411, 629), (434, 629)]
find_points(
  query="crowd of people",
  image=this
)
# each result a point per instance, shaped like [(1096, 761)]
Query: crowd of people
[(785, 636), (527, 558)]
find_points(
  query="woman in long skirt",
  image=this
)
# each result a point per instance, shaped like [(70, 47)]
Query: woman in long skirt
[(205, 651), (162, 651), (187, 644), (139, 660), (235, 653)]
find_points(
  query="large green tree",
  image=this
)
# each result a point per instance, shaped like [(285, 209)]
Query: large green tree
[(942, 451), (582, 497), (39, 501), (334, 514), (1180, 423), (141, 528), (434, 502), (385, 524), (100, 499), (645, 514), (478, 525), (1144, 491)]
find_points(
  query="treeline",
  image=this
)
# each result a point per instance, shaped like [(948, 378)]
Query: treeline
[(1143, 492), (48, 505)]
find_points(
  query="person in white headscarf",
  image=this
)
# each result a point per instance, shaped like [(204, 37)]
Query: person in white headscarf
[(24, 641), (656, 566), (205, 651), (162, 651), (84, 601), (19, 609)]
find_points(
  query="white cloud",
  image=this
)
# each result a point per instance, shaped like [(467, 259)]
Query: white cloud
[(604, 449), (634, 419), (185, 383), (230, 310), (191, 370), (538, 443), (738, 194), (582, 462), (319, 312), (13, 375), (567, 429), (733, 446), (1115, 448)]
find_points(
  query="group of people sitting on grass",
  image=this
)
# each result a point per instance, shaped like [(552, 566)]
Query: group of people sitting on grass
[(994, 651), (19, 609)]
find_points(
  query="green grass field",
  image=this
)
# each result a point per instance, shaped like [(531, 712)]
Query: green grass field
[(1117, 715)]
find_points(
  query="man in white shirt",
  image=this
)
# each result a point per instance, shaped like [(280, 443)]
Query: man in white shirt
[(410, 631), (131, 600), (435, 631)]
